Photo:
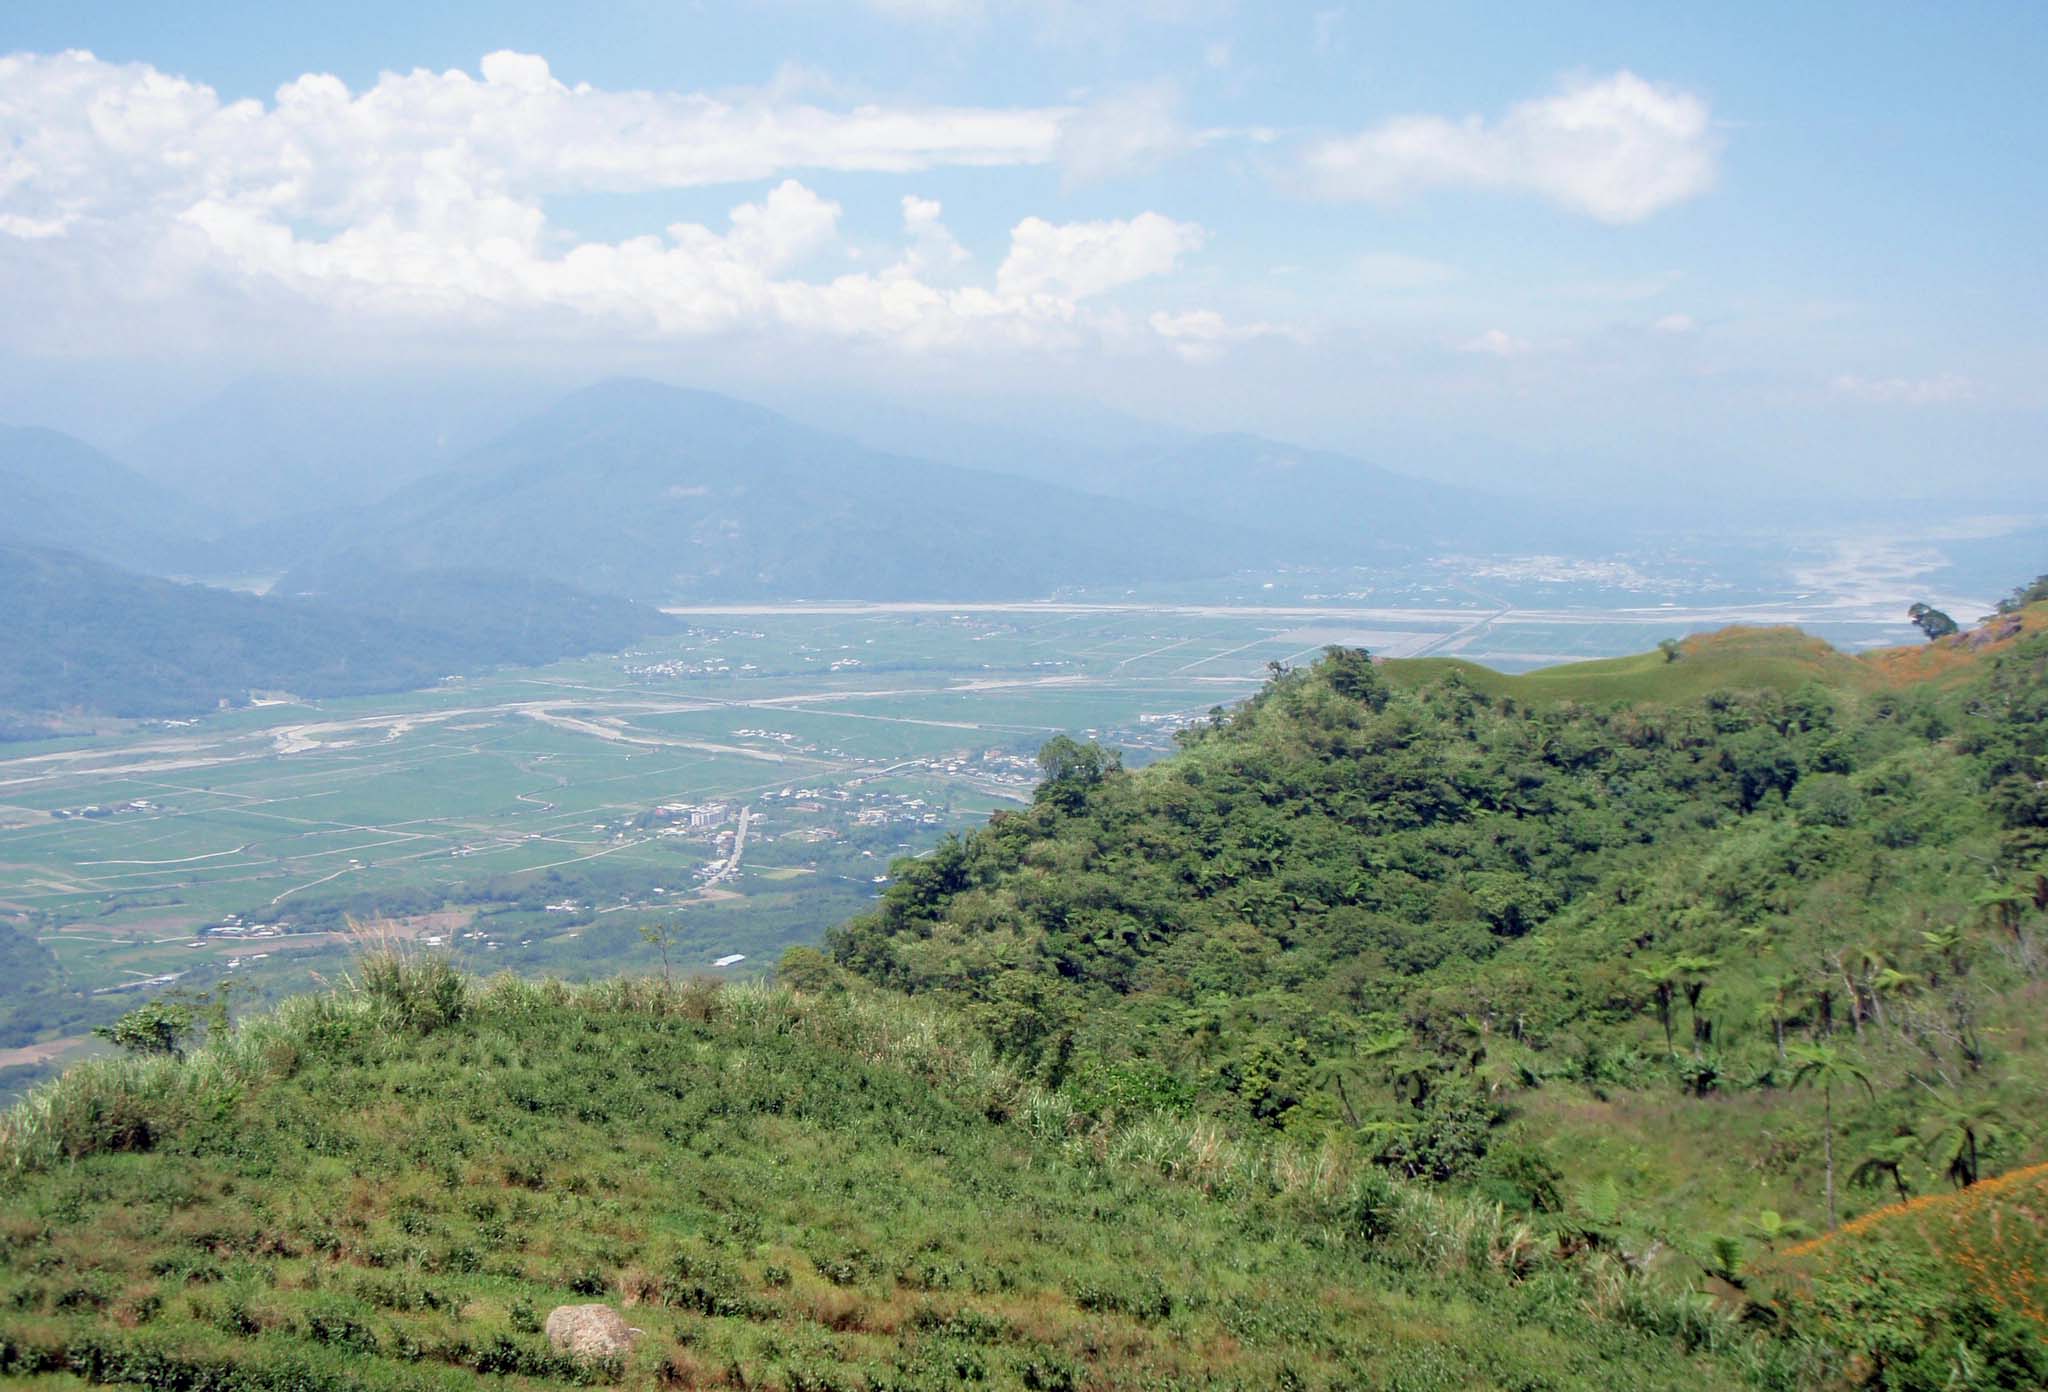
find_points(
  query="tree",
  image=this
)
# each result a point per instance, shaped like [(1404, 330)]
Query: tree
[(1827, 1068), (1670, 648), (1947, 943), (1931, 621), (1961, 1133), (1693, 974), (1663, 980), (1882, 1162), (2033, 592), (160, 1027), (1071, 768), (2006, 907), (1351, 673), (1776, 1006), (661, 936)]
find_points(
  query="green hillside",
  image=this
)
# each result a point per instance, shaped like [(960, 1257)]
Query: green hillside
[(1642, 965), (83, 639), (1402, 1030), (1734, 659), (390, 1187)]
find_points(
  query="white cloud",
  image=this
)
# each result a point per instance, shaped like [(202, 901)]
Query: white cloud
[(1202, 335), (91, 139), (420, 203), (1944, 390), (933, 249), (1618, 149), (1127, 132), (1498, 343), (1081, 259), (1675, 324), (30, 229)]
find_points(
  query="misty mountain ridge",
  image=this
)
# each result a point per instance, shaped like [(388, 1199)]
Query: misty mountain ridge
[(639, 488), (85, 639), (58, 491), (655, 492), (273, 446)]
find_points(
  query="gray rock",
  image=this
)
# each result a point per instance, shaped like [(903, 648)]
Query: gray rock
[(589, 1332)]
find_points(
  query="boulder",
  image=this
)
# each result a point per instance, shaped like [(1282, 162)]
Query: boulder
[(589, 1332)]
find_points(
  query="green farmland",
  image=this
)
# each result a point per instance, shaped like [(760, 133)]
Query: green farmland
[(514, 820)]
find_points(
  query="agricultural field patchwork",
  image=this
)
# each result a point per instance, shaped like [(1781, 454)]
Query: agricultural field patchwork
[(586, 816)]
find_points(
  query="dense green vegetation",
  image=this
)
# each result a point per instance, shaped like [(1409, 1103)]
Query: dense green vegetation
[(1686, 967), (392, 1185), (1401, 1030), (84, 637)]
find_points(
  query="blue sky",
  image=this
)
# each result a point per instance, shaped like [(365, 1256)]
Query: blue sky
[(1721, 246)]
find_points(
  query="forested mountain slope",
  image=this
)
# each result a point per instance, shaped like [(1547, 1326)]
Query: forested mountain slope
[(656, 493), (83, 638), (1689, 968), (59, 492)]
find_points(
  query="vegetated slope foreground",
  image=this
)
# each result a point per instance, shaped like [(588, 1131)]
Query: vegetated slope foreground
[(1398, 1031), (391, 1187), (1698, 976)]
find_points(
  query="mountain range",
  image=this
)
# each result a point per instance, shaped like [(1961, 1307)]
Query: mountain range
[(84, 638), (657, 493), (554, 535)]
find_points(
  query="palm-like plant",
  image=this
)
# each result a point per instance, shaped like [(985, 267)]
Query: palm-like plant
[(1890, 984), (1945, 943), (1828, 1068), (1884, 1161), (2006, 907), (1663, 979), (1962, 1131), (1774, 1227), (1776, 1007), (1692, 972), (2003, 906)]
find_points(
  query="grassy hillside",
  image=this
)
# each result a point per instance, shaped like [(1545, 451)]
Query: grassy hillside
[(389, 1187), (1397, 1031), (1733, 659), (1712, 970), (1976, 1256), (1780, 659)]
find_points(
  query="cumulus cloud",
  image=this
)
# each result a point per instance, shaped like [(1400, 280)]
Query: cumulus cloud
[(933, 249), (1081, 259), (1944, 390), (89, 137), (421, 201), (1617, 149)]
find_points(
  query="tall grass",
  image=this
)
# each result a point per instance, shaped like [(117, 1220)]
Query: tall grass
[(1329, 1193)]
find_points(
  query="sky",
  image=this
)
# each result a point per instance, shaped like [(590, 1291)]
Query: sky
[(1676, 249)]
